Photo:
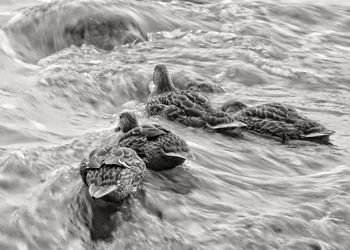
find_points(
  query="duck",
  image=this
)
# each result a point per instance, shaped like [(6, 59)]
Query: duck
[(278, 120), (112, 173), (188, 107), (157, 146), (198, 83)]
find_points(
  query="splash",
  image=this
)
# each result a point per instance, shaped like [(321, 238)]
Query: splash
[(44, 29)]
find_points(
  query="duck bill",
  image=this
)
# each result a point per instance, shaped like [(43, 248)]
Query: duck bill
[(97, 192), (117, 129)]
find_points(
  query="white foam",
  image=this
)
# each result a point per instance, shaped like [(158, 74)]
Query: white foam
[(38, 125), (5, 46), (8, 106)]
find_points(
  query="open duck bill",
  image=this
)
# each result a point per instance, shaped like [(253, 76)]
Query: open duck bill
[(97, 192)]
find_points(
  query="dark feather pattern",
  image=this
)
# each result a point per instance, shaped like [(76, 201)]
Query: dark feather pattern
[(153, 142), (283, 121), (113, 166), (187, 107)]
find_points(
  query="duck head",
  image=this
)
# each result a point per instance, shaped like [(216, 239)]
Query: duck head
[(127, 121), (162, 80), (233, 107)]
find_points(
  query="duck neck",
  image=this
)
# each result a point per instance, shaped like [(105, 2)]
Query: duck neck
[(163, 82), (131, 124)]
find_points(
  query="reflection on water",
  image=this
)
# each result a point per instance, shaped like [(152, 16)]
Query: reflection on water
[(100, 218), (60, 100)]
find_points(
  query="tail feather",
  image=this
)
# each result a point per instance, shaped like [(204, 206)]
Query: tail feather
[(236, 124), (183, 155), (100, 191), (319, 134)]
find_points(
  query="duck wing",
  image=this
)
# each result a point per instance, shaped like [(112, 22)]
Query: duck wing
[(265, 112), (151, 131), (171, 145), (191, 103), (137, 143), (109, 179), (177, 107), (312, 129), (271, 127), (95, 160), (191, 109), (119, 170), (146, 131), (197, 98), (301, 128), (281, 107), (282, 112), (115, 156)]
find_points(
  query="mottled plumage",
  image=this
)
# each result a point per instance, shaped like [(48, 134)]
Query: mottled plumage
[(112, 173), (158, 147), (187, 107), (279, 120)]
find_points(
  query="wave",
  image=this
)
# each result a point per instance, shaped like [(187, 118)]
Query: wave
[(42, 30), (12, 136)]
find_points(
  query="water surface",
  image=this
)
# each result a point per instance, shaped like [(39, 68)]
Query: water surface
[(66, 75)]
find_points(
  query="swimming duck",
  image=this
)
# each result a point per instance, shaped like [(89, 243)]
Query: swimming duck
[(159, 148), (112, 173), (278, 120), (187, 107), (199, 84)]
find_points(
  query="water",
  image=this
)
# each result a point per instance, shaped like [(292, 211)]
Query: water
[(61, 92)]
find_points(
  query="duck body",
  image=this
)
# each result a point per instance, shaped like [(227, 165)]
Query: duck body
[(278, 120), (187, 107), (158, 147), (112, 173)]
